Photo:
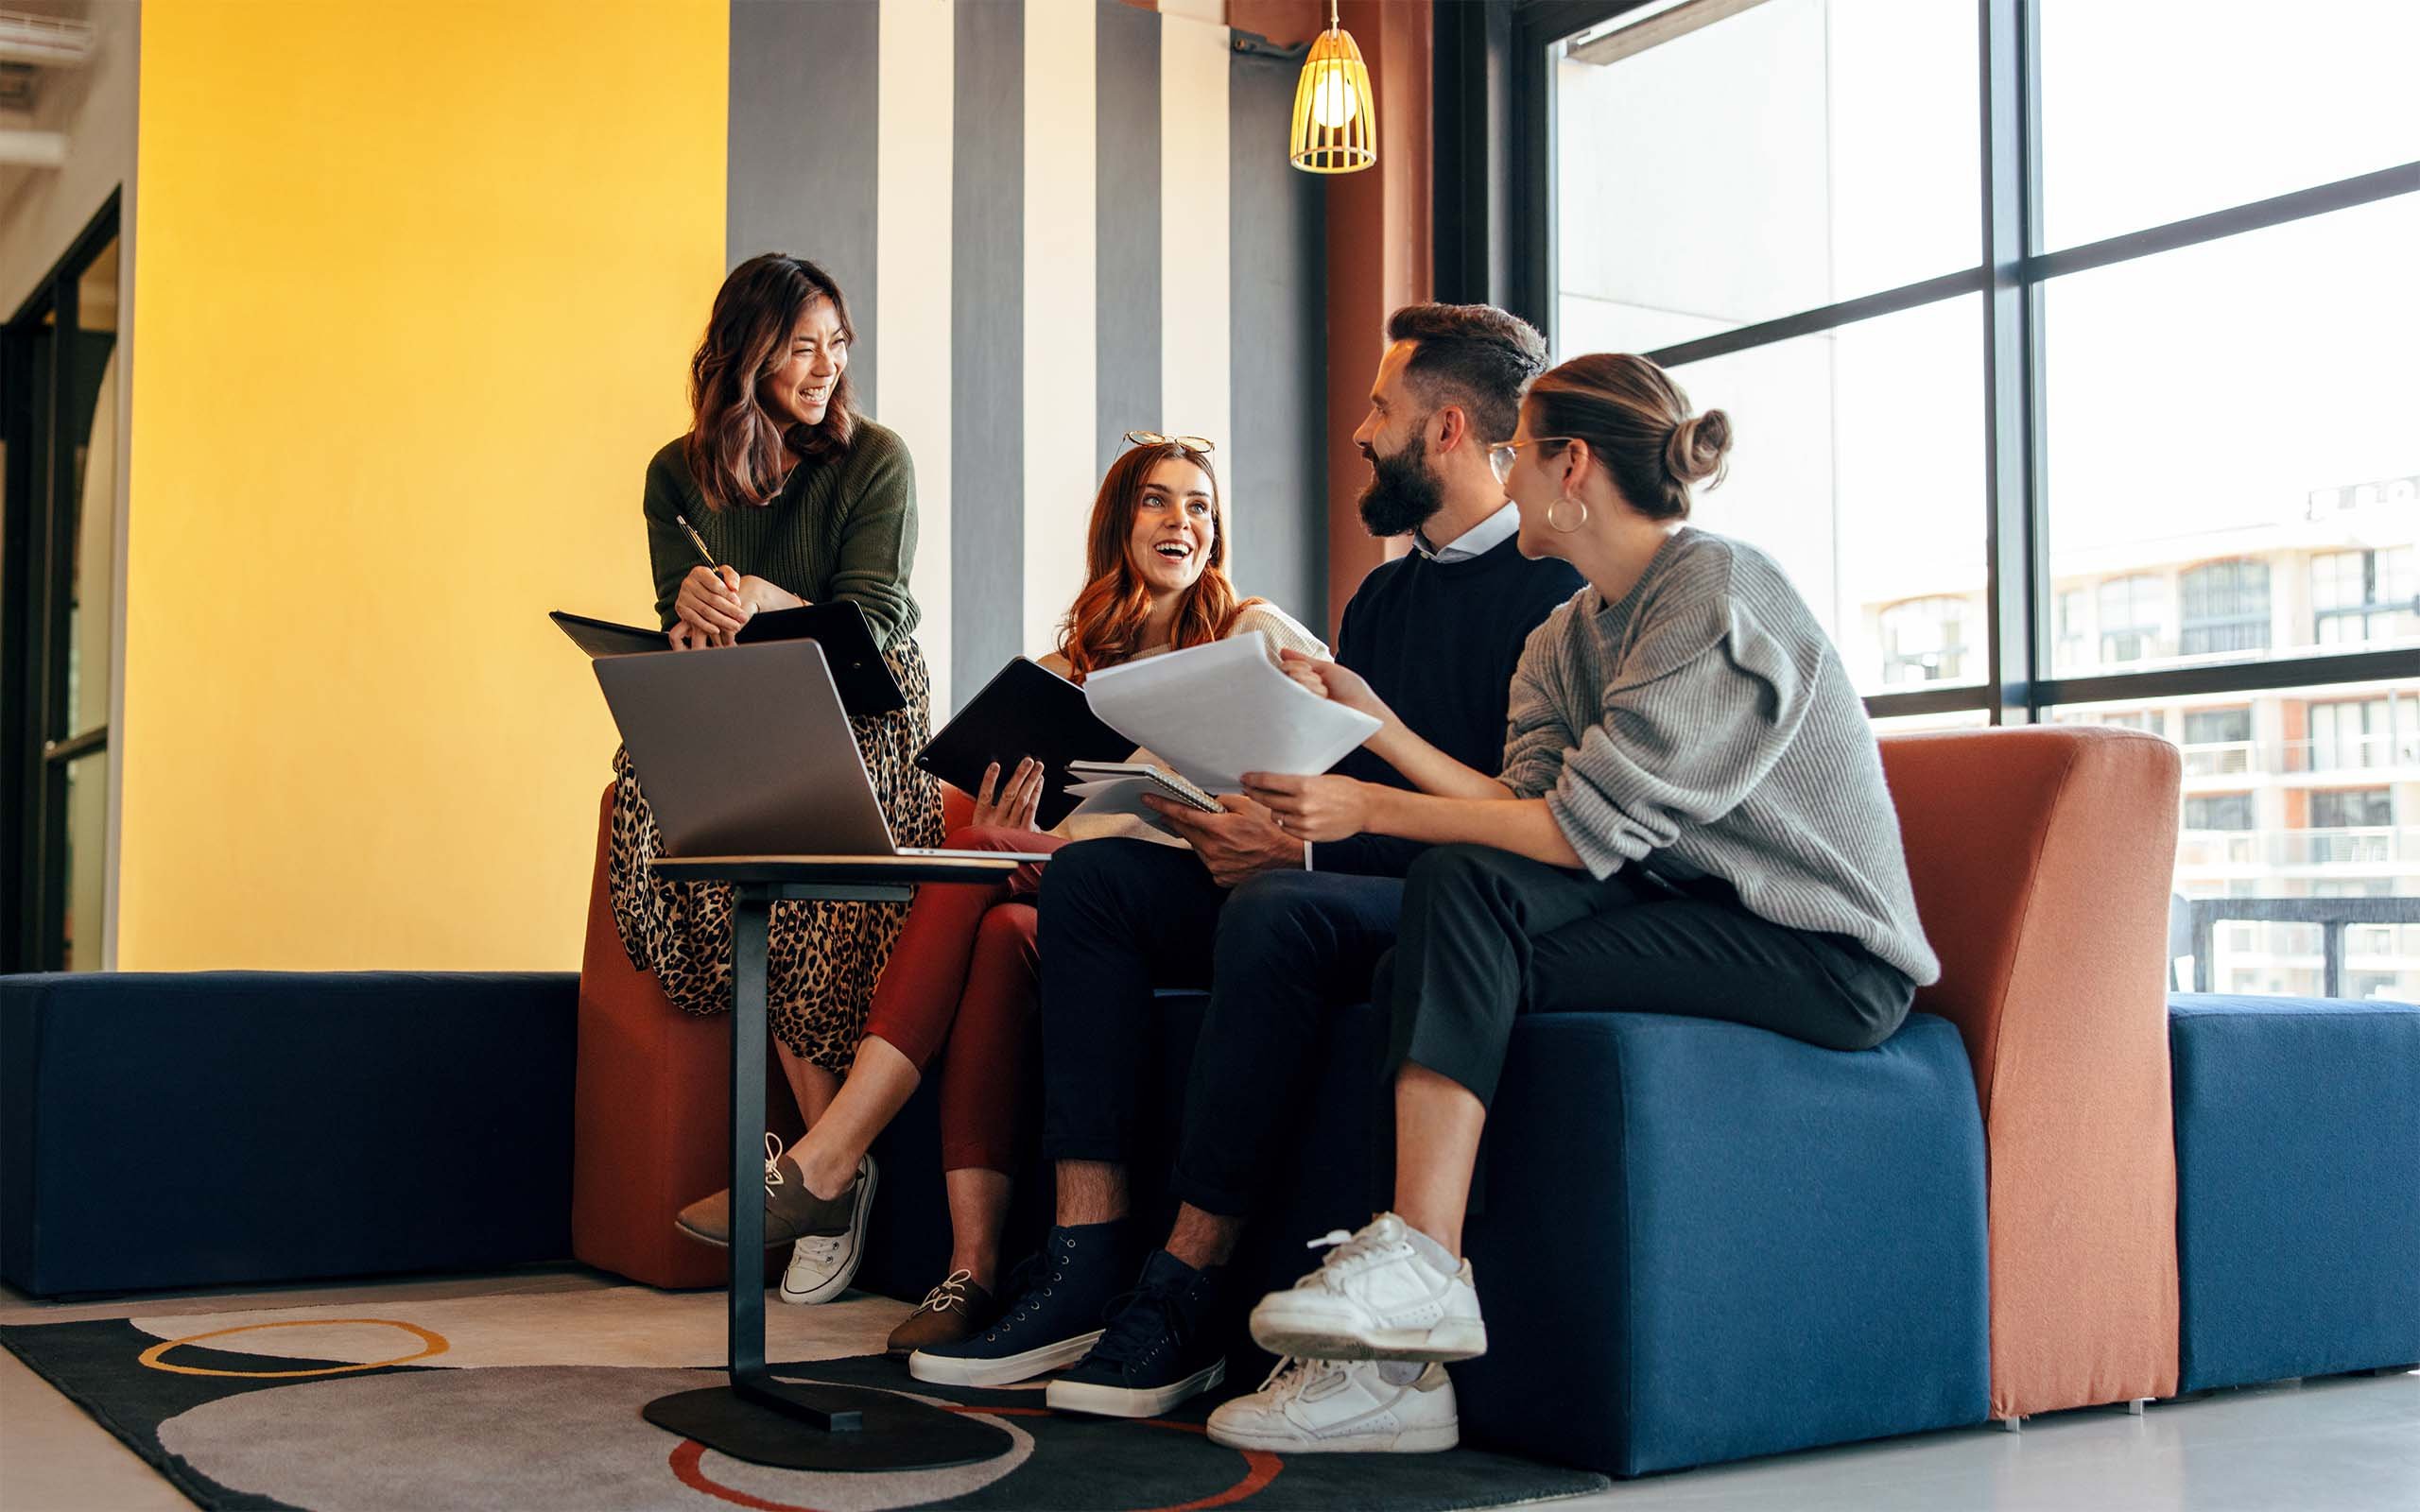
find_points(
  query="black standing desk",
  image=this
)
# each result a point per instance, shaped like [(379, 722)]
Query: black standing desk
[(758, 1417)]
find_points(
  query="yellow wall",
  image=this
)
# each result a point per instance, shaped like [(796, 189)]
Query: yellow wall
[(416, 291)]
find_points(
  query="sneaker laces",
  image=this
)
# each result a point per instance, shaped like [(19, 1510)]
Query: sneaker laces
[(773, 1176), (1296, 1374), (1137, 1320), (820, 1249), (950, 1293), (1024, 1288), (1348, 1250)]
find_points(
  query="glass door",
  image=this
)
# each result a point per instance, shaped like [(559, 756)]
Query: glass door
[(60, 371)]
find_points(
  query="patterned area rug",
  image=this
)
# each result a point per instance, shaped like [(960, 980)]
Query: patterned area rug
[(532, 1403)]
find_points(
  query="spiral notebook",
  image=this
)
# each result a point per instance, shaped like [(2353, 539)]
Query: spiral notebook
[(1169, 783)]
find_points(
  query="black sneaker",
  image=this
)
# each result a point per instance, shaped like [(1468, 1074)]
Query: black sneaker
[(1156, 1350), (1050, 1313)]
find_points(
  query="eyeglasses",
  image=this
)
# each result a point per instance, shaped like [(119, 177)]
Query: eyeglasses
[(1191, 444), (1502, 455)]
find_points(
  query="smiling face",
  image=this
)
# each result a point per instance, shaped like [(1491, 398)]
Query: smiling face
[(1175, 527), (799, 390)]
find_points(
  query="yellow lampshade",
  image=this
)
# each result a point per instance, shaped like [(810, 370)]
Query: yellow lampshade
[(1336, 120)]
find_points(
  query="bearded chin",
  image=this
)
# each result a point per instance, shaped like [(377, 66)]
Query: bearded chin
[(1402, 495)]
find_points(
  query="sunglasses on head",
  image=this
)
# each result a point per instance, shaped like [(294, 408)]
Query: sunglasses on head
[(1192, 443)]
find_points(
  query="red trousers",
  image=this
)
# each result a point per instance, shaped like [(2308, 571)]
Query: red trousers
[(961, 984)]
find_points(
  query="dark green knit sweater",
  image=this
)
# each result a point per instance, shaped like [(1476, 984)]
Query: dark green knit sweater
[(842, 527)]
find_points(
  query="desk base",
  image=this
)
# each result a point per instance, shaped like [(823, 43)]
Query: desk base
[(893, 1433)]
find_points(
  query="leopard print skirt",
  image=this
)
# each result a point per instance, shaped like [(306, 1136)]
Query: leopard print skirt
[(824, 956)]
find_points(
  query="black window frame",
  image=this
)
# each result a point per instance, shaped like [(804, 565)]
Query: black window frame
[(1492, 84)]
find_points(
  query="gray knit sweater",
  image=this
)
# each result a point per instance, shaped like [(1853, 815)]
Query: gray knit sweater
[(1707, 719)]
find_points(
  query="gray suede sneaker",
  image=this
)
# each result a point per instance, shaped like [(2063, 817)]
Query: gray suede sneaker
[(792, 1212)]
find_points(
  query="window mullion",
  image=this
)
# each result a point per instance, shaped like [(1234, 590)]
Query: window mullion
[(2014, 536)]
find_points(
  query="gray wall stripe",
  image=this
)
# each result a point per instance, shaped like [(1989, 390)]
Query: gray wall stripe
[(987, 343), (1278, 334), (803, 131), (1127, 273)]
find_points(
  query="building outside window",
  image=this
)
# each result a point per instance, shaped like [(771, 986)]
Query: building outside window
[(2218, 810), (2133, 613), (2362, 596), (2351, 735), (1924, 640), (2075, 628), (2217, 740), (2352, 809), (2225, 608)]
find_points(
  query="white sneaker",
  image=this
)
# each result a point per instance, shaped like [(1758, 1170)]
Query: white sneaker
[(1374, 1297), (822, 1268), (1330, 1406)]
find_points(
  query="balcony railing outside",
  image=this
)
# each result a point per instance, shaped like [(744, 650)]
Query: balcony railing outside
[(2219, 757), (2366, 846), (2372, 752)]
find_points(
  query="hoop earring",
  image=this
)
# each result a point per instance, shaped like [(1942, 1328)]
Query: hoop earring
[(1558, 525)]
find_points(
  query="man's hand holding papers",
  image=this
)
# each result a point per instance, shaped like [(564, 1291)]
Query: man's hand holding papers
[(1234, 847)]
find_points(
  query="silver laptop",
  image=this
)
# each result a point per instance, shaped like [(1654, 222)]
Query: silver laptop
[(745, 751)]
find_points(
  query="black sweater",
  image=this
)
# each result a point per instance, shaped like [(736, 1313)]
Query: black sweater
[(1439, 644)]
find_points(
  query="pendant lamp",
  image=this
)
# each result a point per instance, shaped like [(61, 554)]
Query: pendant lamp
[(1336, 122)]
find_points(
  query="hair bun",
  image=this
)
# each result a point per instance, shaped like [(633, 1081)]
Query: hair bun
[(1698, 447)]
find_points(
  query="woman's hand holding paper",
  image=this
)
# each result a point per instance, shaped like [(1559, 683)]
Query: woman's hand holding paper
[(1338, 684), (1317, 809)]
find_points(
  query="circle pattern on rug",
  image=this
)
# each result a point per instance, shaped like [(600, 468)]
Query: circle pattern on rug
[(541, 1436), (431, 1344)]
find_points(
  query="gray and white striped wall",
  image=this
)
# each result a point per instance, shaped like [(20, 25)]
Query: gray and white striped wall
[(1056, 222)]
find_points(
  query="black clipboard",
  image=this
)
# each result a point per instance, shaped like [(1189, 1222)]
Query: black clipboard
[(867, 687), (1024, 711)]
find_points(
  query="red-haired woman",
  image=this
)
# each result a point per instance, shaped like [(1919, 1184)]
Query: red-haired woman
[(961, 984), (802, 500)]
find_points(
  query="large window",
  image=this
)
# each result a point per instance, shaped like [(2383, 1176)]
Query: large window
[(2067, 348)]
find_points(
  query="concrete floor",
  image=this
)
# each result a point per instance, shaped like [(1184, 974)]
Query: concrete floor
[(2343, 1445)]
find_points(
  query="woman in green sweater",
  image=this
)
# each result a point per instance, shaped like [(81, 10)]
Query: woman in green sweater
[(802, 500)]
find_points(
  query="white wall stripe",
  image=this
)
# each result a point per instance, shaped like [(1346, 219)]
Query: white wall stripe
[(1195, 360), (912, 165), (1060, 309)]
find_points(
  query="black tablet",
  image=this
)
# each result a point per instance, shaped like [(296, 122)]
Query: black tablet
[(1024, 711), (867, 687)]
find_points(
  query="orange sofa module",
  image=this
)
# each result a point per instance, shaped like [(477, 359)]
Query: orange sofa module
[(2042, 860)]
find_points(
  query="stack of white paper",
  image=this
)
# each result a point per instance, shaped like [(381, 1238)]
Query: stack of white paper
[(1212, 713)]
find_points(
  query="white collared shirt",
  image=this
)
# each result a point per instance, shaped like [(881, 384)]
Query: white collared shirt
[(1477, 540)]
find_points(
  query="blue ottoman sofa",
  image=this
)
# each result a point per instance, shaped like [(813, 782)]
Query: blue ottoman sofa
[(2298, 1186), (213, 1128), (1698, 1242)]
